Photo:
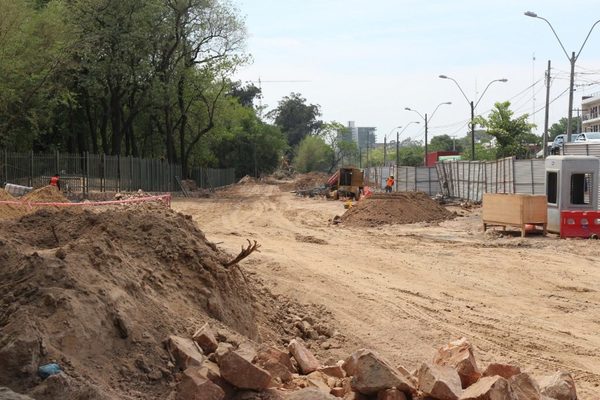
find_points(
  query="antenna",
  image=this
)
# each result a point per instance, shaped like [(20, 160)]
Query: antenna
[(260, 82)]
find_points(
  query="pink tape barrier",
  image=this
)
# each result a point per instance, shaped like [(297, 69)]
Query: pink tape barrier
[(165, 198)]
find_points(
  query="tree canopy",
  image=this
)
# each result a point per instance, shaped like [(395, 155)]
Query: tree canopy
[(296, 118)]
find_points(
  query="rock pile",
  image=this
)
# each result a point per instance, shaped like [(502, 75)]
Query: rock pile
[(215, 371)]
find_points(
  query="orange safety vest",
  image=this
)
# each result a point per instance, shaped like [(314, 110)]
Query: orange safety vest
[(54, 181), (390, 182)]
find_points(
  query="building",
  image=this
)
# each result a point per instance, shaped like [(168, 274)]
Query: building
[(591, 115), (362, 135)]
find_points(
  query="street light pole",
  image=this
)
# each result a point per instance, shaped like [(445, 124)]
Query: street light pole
[(385, 144), (572, 59), (426, 122), (473, 105)]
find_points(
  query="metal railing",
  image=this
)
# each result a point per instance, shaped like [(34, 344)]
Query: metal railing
[(102, 173)]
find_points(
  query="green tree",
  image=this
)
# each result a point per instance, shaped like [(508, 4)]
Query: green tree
[(513, 135), (313, 155), (560, 127), (296, 118), (444, 143), (344, 149)]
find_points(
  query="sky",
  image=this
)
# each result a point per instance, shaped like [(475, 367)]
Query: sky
[(365, 61)]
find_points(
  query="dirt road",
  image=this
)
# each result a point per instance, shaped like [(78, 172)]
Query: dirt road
[(405, 290)]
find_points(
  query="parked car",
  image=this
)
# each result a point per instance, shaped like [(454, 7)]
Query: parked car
[(588, 137), (557, 144)]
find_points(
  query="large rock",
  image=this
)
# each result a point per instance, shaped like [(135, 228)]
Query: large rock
[(559, 386), (185, 352), (459, 355), (335, 371), (391, 394), (373, 374), (489, 388), (439, 382), (206, 340), (310, 394), (194, 386), (349, 364), (276, 362), (241, 373), (504, 370), (318, 380), (524, 387), (305, 359)]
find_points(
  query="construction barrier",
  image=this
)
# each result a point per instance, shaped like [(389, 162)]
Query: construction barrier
[(164, 198), (580, 224)]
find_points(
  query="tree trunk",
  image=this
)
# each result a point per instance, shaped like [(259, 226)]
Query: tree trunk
[(91, 122), (183, 124), (103, 127)]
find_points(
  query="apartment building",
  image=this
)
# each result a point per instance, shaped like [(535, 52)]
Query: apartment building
[(591, 113)]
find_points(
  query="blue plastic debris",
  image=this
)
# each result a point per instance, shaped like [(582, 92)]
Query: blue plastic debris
[(47, 370)]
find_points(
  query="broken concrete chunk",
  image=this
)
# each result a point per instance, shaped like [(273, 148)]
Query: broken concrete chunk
[(206, 340), (391, 394), (349, 364), (504, 370), (247, 350), (335, 371), (241, 373), (305, 359), (489, 388), (439, 382), (459, 355), (559, 386), (524, 387), (310, 394), (373, 374), (185, 352), (194, 386), (319, 381)]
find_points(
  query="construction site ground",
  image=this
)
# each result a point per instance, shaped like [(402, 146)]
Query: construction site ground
[(405, 290)]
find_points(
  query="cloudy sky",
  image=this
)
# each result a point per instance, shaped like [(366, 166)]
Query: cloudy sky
[(365, 61)]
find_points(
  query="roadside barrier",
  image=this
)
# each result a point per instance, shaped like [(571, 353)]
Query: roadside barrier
[(165, 198)]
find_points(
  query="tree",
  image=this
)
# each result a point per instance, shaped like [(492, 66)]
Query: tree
[(245, 94), (342, 146), (296, 119), (513, 135), (560, 127), (444, 143), (313, 155)]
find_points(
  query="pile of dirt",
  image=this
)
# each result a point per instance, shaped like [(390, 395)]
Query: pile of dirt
[(395, 208), (9, 210), (99, 292), (5, 196), (310, 180), (46, 194)]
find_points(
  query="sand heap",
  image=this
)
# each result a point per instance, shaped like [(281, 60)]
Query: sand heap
[(46, 194), (98, 293), (395, 208)]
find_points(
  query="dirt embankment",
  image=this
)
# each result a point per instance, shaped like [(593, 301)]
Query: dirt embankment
[(395, 208), (98, 292), (46, 194)]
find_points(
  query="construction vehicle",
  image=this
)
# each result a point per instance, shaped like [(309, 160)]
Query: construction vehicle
[(346, 182)]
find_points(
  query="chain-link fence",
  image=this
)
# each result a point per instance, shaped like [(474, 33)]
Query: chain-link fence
[(101, 173)]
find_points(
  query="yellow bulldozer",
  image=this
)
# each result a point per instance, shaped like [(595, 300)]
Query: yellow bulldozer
[(346, 182)]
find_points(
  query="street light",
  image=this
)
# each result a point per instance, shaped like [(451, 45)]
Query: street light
[(385, 144), (473, 106), (426, 120), (572, 59)]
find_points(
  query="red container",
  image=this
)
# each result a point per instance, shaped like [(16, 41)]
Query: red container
[(581, 224)]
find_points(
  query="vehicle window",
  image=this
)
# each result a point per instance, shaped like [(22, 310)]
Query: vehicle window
[(581, 138), (551, 186), (580, 188), (593, 135)]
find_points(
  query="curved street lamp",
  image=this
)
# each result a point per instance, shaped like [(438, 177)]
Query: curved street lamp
[(385, 143), (426, 121), (572, 59), (473, 106)]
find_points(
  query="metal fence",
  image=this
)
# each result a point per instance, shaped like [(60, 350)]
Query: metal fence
[(91, 172), (408, 179), (468, 180)]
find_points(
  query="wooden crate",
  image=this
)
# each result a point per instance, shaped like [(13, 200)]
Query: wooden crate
[(516, 210)]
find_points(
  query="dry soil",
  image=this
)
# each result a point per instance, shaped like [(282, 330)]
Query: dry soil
[(404, 290)]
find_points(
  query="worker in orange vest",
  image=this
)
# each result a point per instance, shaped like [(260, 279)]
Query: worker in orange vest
[(389, 184), (55, 181)]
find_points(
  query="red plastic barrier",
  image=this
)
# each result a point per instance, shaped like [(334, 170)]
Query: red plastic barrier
[(579, 224), (367, 192), (165, 198), (333, 179)]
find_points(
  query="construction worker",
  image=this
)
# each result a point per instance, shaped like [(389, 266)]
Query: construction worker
[(55, 181), (389, 184)]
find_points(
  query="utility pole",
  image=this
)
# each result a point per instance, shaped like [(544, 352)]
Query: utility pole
[(472, 131), (547, 112), (570, 117), (397, 157), (425, 139), (384, 150)]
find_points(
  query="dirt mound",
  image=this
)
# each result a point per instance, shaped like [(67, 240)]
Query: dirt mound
[(9, 210), (5, 196), (396, 208), (46, 194), (310, 180), (98, 292)]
